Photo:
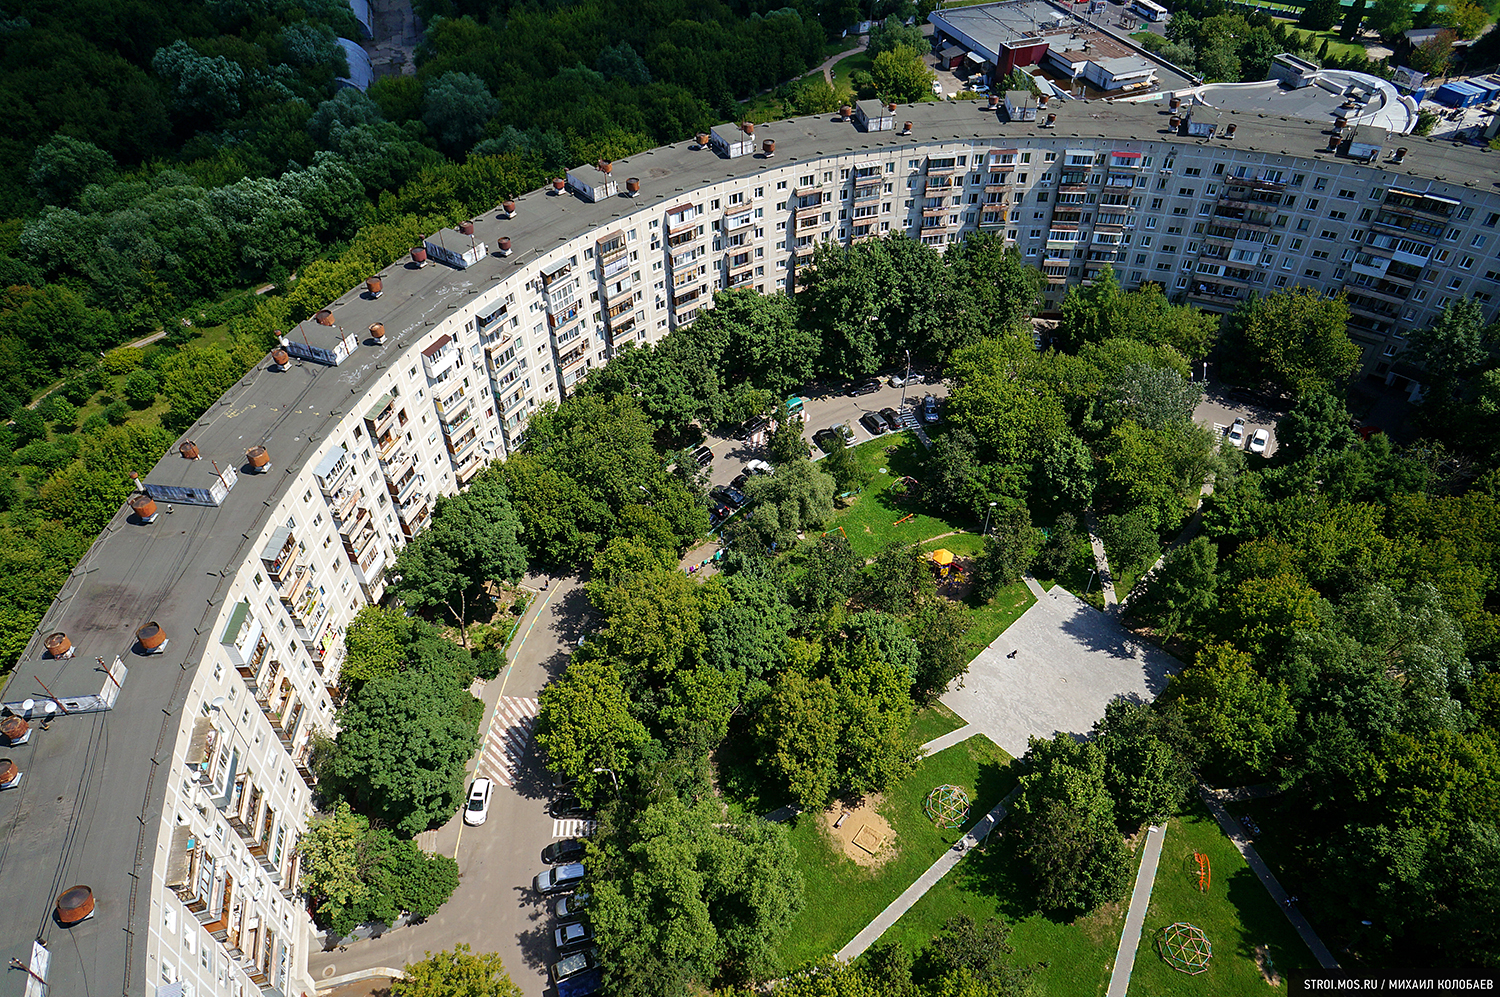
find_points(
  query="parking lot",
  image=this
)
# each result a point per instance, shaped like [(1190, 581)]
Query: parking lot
[(824, 406), (1221, 405)]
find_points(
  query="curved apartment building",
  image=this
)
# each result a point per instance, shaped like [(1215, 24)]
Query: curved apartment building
[(158, 721)]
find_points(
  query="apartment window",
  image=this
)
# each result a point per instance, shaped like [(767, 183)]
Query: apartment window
[(1492, 220), (1454, 283), (1319, 254), (1192, 171), (1156, 204), (1281, 280), (1186, 192), (1302, 224), (1477, 242), (1321, 183), (1150, 223), (1467, 263), (1218, 169), (1296, 245), (1328, 233), (1314, 274), (1348, 195)]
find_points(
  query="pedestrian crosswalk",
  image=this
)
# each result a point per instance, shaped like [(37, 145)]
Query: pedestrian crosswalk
[(572, 827), (507, 739)]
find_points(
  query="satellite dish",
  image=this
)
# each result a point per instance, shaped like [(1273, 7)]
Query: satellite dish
[(217, 703)]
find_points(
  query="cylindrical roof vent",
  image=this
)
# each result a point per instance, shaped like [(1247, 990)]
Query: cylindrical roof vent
[(846, 112), (375, 286), (1051, 120), (76, 903), (605, 166), (189, 449), (14, 729), (1174, 123), (10, 773), (378, 331), (1174, 103), (144, 506), (324, 317), (505, 245), (57, 644), (151, 636), (891, 107), (633, 186), (259, 457), (1340, 122), (748, 127), (510, 209), (1400, 153), (280, 357), (1229, 131), (906, 130), (1333, 141), (994, 101), (558, 183), (419, 255), (702, 138), (768, 147), (465, 228)]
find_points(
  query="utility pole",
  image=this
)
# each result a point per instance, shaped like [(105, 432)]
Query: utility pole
[(907, 378)]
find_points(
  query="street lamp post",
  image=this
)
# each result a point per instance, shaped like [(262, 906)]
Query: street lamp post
[(986, 531), (908, 378), (611, 778)]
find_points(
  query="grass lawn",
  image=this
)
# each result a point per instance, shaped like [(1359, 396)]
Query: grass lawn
[(1078, 955), (989, 620), (1236, 914), (1336, 46), (847, 65), (842, 897), (933, 720), (870, 522)]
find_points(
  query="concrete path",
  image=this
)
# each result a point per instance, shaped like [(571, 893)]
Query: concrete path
[(935, 872), (1054, 671), (1135, 919), (1235, 832), (827, 68), (1106, 580), (949, 739)]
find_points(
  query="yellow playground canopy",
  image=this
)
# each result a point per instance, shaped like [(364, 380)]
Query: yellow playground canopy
[(942, 556)]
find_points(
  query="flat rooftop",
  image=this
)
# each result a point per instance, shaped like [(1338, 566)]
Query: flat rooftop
[(89, 806), (996, 25), (1322, 102)]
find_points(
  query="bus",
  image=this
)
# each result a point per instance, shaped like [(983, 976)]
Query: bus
[(1148, 9)]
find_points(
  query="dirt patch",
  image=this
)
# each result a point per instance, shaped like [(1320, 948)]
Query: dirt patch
[(864, 836), (1266, 967)]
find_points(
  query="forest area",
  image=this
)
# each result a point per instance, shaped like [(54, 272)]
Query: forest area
[(194, 169)]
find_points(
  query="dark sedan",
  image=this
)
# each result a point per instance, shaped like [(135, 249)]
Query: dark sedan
[(566, 850), (567, 806), (827, 440), (872, 423), (892, 418), (862, 387), (728, 494)]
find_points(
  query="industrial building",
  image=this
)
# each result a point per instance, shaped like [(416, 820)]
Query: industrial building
[(158, 723)]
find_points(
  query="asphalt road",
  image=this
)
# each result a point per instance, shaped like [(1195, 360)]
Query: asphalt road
[(1219, 409), (825, 406), (494, 908)]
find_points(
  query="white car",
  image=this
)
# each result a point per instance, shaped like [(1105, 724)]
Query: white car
[(937, 88), (478, 807), (1236, 435), (757, 466), (1259, 440)]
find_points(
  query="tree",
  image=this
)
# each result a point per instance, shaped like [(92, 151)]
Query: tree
[(205, 89), (1466, 18), (1297, 338), (831, 570), (1219, 60), (458, 973), (1434, 56), (194, 378), (29, 427), (1007, 553), (1061, 547), (993, 291), (1389, 18), (1239, 718), (1457, 342), (62, 168), (1062, 830), (472, 540), (1153, 396), (799, 724), (375, 643), (892, 34), (1182, 592), (1319, 15), (1148, 765), (455, 110), (1316, 428), (584, 722), (141, 388), (797, 497), (900, 75), (1067, 471), (938, 628), (1130, 541), (849, 475), (971, 958), (332, 870), (1353, 21), (403, 744)]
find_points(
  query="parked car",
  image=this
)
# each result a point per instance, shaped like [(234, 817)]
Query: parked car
[(930, 409), (704, 456), (892, 418), (1236, 434), (826, 439), (572, 935), (740, 481), (566, 850), (1259, 440), (758, 466), (567, 806), (898, 380), (477, 810), (728, 494), (572, 906), (561, 877), (585, 984), (844, 431), (872, 423), (717, 511), (937, 88), (578, 962), (862, 387), (755, 425)]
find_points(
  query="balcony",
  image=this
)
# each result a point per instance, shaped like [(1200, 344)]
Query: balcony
[(864, 195), (737, 219), (385, 446), (279, 556), (557, 273), (296, 590), (1381, 290), (992, 217), (380, 417), (461, 446), (684, 238), (440, 358), (460, 419), (739, 278)]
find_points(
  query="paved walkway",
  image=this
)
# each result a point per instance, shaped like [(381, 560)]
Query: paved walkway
[(827, 68), (935, 872), (1235, 832), (1140, 899), (1106, 580), (949, 739)]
